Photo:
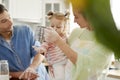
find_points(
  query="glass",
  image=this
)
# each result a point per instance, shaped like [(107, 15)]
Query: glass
[(39, 34), (4, 70)]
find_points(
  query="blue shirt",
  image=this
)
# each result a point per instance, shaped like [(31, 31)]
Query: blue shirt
[(19, 52)]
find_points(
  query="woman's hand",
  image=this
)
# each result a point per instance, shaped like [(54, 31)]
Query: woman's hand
[(51, 36)]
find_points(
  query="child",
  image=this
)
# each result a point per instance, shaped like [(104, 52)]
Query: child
[(55, 57)]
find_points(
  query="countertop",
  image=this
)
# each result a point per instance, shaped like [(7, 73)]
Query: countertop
[(114, 74)]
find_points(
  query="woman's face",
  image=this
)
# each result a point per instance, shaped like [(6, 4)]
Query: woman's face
[(57, 25), (80, 20)]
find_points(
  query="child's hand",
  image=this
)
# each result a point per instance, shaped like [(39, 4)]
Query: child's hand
[(36, 48), (41, 50)]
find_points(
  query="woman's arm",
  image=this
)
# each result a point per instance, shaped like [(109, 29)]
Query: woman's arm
[(72, 55), (51, 36)]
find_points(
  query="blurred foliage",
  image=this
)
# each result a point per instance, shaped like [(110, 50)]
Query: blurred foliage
[(99, 15)]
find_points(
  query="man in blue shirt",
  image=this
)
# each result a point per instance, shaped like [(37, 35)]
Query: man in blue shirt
[(16, 46)]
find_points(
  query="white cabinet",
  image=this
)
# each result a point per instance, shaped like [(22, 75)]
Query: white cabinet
[(26, 10), (0, 1), (33, 10)]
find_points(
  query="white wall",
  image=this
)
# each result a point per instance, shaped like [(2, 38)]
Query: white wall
[(115, 6)]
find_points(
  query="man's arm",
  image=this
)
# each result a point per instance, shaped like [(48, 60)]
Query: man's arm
[(30, 72), (15, 74), (36, 61)]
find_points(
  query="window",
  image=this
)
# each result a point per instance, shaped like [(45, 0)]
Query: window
[(56, 7), (6, 3), (51, 7)]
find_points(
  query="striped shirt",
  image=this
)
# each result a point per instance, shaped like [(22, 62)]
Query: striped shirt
[(54, 54)]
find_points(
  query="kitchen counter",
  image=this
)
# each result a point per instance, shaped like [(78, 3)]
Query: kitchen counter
[(114, 74)]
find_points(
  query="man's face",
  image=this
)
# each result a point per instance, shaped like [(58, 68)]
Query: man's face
[(5, 22)]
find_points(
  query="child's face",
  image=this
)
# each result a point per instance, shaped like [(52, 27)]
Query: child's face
[(58, 25)]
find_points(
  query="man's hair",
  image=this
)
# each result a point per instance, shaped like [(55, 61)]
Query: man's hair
[(2, 8)]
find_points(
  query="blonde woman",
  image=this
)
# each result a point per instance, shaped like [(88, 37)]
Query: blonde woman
[(89, 57)]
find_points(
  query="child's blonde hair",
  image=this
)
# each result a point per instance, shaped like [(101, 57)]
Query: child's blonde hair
[(59, 16)]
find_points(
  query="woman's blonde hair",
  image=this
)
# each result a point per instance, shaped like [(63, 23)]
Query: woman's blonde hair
[(59, 16)]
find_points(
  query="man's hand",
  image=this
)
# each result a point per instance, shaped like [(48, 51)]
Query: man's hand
[(29, 74)]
